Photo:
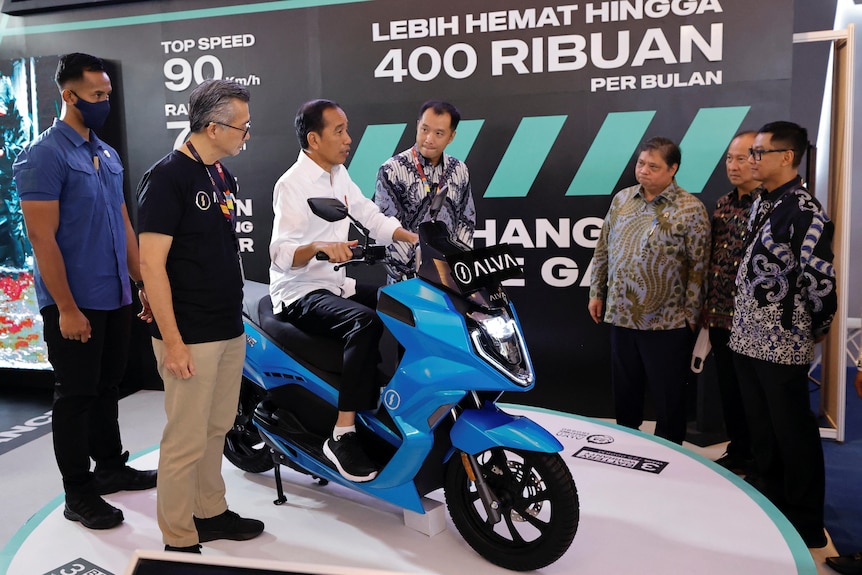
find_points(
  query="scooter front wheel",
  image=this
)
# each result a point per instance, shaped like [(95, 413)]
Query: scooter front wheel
[(243, 445), (538, 502)]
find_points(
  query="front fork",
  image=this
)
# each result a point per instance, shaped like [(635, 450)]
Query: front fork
[(474, 473)]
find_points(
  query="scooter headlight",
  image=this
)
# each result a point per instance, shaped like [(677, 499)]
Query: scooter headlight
[(498, 340)]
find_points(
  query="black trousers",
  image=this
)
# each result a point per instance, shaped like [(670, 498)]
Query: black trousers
[(785, 440), (658, 360), (731, 397), (353, 321), (86, 393)]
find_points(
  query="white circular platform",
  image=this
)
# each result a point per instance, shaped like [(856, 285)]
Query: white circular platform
[(647, 506)]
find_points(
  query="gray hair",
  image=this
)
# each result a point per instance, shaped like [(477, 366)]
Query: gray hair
[(211, 102)]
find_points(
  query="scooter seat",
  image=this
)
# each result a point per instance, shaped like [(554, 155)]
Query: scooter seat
[(324, 353)]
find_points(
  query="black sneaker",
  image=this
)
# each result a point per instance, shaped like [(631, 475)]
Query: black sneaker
[(123, 478), (349, 458), (92, 511), (189, 549), (228, 525)]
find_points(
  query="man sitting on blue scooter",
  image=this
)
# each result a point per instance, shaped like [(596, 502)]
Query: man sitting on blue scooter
[(309, 292)]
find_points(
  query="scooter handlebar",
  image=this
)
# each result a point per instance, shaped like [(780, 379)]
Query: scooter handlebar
[(357, 251), (371, 254)]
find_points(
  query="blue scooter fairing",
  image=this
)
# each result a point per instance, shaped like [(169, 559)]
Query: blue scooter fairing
[(477, 430)]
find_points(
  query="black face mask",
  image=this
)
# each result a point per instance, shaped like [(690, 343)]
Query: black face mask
[(94, 113)]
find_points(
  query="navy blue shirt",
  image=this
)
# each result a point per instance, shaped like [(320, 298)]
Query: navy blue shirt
[(59, 165)]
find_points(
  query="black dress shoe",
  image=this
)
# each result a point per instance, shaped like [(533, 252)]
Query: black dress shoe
[(228, 525), (124, 478), (815, 539), (846, 564), (92, 511), (189, 549), (736, 463)]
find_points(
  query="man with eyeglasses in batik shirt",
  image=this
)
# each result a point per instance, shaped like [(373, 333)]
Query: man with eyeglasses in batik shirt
[(785, 302)]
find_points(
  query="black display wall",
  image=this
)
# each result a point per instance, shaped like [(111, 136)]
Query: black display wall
[(555, 100)]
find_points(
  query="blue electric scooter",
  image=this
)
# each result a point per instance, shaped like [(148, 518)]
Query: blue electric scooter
[(508, 491)]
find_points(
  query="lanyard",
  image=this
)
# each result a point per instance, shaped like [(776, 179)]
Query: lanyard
[(224, 195), (422, 177)]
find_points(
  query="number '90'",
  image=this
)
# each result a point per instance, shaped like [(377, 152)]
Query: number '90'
[(180, 73)]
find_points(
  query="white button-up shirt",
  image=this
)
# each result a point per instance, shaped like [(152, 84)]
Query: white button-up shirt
[(295, 226)]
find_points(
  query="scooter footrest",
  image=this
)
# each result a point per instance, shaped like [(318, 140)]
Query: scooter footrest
[(284, 424)]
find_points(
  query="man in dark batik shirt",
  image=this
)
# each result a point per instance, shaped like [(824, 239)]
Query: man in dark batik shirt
[(729, 222), (785, 302)]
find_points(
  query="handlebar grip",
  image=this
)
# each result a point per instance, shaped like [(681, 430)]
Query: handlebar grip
[(357, 251)]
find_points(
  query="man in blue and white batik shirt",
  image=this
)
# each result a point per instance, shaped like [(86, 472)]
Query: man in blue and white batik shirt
[(785, 302)]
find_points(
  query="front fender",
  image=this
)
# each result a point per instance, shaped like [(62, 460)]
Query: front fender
[(477, 430)]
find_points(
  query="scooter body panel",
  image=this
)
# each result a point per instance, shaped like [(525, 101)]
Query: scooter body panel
[(480, 429), (391, 489), (269, 367)]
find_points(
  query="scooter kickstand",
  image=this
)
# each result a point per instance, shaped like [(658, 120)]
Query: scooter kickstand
[(278, 487)]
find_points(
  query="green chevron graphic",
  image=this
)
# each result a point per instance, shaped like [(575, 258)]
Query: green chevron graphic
[(524, 157), (618, 138), (610, 153), (465, 137), (378, 144), (705, 143)]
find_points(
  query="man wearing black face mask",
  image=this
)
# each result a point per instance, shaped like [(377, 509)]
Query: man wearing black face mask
[(71, 189)]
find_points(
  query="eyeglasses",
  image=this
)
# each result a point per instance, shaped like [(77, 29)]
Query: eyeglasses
[(757, 154), (243, 130)]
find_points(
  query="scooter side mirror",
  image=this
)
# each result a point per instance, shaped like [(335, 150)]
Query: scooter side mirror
[(329, 209)]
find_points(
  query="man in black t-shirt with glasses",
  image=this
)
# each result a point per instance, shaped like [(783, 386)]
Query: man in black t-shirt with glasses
[(190, 264)]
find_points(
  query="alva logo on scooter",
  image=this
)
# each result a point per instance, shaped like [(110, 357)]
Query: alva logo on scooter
[(483, 267)]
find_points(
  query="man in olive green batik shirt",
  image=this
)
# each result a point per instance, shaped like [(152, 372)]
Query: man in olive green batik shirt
[(649, 270)]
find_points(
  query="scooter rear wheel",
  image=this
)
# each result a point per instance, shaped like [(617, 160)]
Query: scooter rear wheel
[(538, 502), (243, 445)]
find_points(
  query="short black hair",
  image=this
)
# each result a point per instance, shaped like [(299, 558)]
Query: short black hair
[(72, 66), (441, 107), (210, 103), (741, 133), (668, 150), (309, 118), (788, 135)]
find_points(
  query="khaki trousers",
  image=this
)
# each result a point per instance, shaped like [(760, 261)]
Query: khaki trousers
[(200, 411)]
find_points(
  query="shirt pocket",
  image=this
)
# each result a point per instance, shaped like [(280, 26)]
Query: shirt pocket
[(671, 242), (82, 179), (112, 173)]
